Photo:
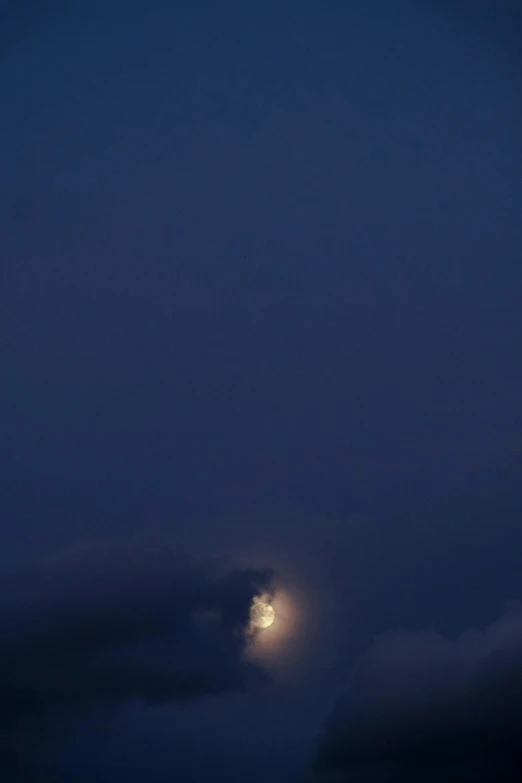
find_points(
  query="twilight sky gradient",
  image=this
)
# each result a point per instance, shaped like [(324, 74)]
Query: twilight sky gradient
[(260, 309)]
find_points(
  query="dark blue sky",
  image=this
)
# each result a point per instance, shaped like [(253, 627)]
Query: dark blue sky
[(260, 286)]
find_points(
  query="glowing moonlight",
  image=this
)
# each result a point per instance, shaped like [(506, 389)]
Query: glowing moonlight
[(262, 615)]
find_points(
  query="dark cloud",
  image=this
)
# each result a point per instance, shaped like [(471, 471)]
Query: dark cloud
[(20, 18), (105, 626), (423, 707)]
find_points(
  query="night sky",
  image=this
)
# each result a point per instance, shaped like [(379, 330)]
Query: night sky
[(261, 335)]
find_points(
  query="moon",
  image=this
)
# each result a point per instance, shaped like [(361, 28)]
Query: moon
[(262, 615)]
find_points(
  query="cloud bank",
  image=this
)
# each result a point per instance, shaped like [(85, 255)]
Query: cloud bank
[(107, 626), (423, 707)]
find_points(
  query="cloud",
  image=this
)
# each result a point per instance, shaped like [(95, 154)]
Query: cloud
[(20, 18), (108, 625), (423, 707)]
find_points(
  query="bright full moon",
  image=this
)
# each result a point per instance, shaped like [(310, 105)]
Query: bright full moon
[(262, 615)]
